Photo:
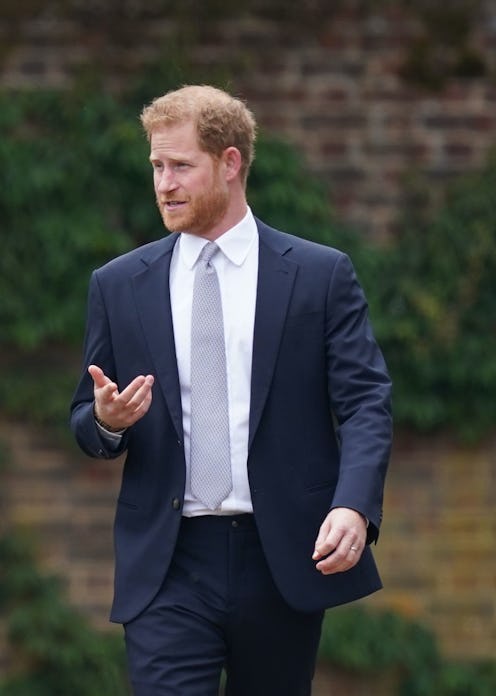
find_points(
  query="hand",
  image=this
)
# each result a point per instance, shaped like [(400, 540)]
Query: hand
[(340, 541), (120, 410)]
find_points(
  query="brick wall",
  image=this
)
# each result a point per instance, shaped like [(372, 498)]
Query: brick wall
[(436, 550), (330, 82), (437, 544), (333, 88), (65, 500)]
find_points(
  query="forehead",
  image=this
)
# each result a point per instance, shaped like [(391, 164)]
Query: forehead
[(180, 138)]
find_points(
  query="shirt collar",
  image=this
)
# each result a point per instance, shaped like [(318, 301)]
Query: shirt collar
[(235, 244)]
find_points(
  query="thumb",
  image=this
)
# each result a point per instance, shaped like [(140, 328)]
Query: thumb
[(324, 530), (99, 378)]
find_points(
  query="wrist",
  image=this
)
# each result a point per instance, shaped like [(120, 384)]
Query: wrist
[(103, 424)]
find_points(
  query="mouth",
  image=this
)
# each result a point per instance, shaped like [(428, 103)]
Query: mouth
[(173, 205)]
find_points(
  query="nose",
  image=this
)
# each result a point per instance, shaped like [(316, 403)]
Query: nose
[(165, 181)]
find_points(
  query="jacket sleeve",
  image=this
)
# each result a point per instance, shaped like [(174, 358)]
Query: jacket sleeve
[(98, 351), (360, 394)]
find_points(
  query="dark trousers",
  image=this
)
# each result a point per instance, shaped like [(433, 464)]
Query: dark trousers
[(219, 609)]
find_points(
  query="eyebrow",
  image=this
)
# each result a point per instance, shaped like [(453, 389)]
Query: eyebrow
[(179, 158)]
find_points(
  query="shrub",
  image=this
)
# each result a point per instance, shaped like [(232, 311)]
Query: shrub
[(53, 649), (79, 192), (435, 312), (371, 642)]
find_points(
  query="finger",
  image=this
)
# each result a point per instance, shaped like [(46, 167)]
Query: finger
[(106, 395), (329, 544), (140, 411), (99, 377), (136, 390), (105, 390), (132, 403), (140, 402), (343, 558), (140, 382), (328, 540), (321, 537), (331, 565)]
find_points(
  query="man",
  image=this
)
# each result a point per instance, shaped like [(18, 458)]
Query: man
[(254, 406)]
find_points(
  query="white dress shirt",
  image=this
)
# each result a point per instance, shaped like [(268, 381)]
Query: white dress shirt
[(237, 270)]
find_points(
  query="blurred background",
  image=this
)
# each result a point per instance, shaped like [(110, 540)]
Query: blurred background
[(377, 133)]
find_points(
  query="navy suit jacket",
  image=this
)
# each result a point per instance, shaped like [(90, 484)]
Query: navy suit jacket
[(320, 419)]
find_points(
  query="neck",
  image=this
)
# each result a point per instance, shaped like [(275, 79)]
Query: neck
[(235, 213)]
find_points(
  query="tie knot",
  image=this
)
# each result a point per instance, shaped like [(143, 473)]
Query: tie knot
[(208, 251)]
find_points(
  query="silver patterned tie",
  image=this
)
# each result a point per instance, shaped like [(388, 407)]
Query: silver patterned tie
[(210, 458)]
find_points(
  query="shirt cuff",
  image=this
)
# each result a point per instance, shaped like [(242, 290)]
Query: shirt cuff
[(111, 438)]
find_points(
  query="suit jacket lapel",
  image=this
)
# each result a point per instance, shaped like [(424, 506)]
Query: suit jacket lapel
[(276, 276), (152, 294)]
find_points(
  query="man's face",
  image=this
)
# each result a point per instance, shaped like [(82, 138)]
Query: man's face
[(191, 193)]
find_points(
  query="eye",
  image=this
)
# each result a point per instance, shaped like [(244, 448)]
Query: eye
[(178, 166), (157, 166)]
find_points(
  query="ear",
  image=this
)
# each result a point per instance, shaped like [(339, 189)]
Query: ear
[(231, 158)]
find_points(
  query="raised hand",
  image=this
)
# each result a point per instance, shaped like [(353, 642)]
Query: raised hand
[(119, 410)]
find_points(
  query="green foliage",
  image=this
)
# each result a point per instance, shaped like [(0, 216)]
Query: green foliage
[(436, 313), (444, 48), (368, 643), (363, 641), (37, 386), (4, 455), (455, 679), (62, 212), (54, 651), (283, 193), (78, 191)]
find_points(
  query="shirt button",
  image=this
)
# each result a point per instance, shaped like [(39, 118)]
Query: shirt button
[(176, 503), (235, 523)]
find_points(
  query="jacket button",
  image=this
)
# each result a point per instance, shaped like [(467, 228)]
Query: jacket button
[(176, 503)]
